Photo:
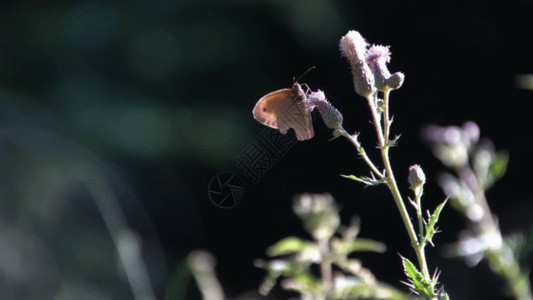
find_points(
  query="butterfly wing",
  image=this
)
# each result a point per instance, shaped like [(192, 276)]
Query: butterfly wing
[(301, 121), (266, 109), (284, 109)]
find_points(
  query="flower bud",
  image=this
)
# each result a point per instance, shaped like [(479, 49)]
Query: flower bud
[(471, 131), (395, 81), (330, 115), (450, 145), (416, 178), (377, 58), (353, 46)]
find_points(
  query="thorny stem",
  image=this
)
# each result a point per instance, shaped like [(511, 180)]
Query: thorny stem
[(418, 196), (355, 142), (377, 123), (383, 138), (393, 187), (386, 120)]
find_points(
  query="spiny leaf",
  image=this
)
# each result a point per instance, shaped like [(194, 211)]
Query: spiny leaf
[(414, 275), (418, 283), (430, 226), (393, 142), (366, 180)]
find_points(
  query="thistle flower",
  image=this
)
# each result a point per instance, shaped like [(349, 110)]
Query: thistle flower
[(353, 46), (377, 58), (330, 115)]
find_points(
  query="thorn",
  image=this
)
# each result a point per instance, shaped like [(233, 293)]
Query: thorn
[(436, 273), (333, 138), (410, 285)]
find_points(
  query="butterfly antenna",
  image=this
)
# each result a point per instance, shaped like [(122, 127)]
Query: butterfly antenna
[(300, 77)]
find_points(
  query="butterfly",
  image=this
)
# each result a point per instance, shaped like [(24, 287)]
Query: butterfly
[(287, 108)]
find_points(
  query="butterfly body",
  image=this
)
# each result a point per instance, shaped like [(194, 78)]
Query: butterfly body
[(284, 109)]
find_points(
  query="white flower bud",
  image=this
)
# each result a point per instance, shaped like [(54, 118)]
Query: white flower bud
[(353, 46), (416, 178)]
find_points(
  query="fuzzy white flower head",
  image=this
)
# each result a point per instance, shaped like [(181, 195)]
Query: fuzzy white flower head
[(353, 46)]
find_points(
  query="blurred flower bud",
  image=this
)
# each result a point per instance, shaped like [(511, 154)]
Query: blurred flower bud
[(461, 196), (377, 58), (471, 131), (353, 46), (483, 157), (474, 213), (330, 115), (416, 178), (450, 145), (318, 213)]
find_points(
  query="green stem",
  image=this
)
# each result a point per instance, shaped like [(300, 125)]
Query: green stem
[(418, 196), (386, 120), (377, 123), (383, 138), (362, 152), (393, 187)]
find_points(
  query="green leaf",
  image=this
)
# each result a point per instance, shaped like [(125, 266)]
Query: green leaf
[(365, 180), (414, 275), (302, 282), (499, 165), (307, 279), (288, 245), (352, 287), (418, 283), (430, 227), (366, 245)]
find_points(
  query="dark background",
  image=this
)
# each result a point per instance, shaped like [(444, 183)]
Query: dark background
[(157, 96)]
